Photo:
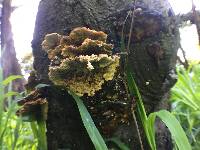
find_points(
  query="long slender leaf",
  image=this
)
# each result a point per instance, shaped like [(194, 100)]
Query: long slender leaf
[(34, 129), (92, 131), (1, 99), (10, 94), (148, 123), (41, 85), (10, 79), (135, 92), (120, 144), (175, 129), (16, 133), (186, 100), (187, 88), (179, 94), (9, 113), (42, 135), (10, 98), (140, 107)]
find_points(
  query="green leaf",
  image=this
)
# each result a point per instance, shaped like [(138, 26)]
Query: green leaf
[(41, 86), (11, 93), (39, 131), (148, 123), (42, 140), (180, 95), (1, 99), (10, 79), (92, 131), (8, 116), (34, 129), (120, 144), (16, 133), (122, 45), (134, 92), (175, 129)]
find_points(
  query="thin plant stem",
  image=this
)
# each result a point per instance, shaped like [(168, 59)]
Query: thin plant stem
[(125, 67), (42, 134), (128, 52), (185, 63), (136, 124), (131, 28), (122, 33), (196, 20)]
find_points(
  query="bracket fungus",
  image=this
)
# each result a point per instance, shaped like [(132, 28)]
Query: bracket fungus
[(34, 106), (81, 62)]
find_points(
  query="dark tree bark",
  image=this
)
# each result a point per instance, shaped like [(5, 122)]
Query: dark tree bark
[(9, 61), (153, 48)]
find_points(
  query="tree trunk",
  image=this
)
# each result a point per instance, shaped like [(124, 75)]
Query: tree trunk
[(9, 61), (153, 48)]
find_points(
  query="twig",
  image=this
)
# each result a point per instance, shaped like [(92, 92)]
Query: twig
[(131, 28), (136, 124), (133, 100), (123, 52), (122, 33), (181, 62), (196, 19), (185, 63), (125, 65)]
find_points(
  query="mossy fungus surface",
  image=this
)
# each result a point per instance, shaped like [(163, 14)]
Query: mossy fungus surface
[(81, 62)]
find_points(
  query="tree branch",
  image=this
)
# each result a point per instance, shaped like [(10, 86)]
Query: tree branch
[(194, 17)]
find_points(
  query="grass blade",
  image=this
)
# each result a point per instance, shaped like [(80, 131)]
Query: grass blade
[(42, 135), (180, 95), (16, 133), (10, 79), (34, 129), (1, 99), (41, 86), (134, 91), (120, 144), (10, 94), (151, 130), (92, 131), (175, 129), (9, 113), (148, 123)]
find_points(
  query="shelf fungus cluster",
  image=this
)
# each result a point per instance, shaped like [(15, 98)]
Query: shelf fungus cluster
[(34, 106), (81, 62)]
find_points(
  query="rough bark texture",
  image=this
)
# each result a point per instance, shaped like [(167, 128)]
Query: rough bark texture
[(153, 48), (9, 61)]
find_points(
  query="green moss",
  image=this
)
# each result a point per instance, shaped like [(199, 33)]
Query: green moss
[(86, 60)]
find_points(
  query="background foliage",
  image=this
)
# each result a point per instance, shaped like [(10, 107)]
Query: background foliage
[(186, 102), (14, 133)]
